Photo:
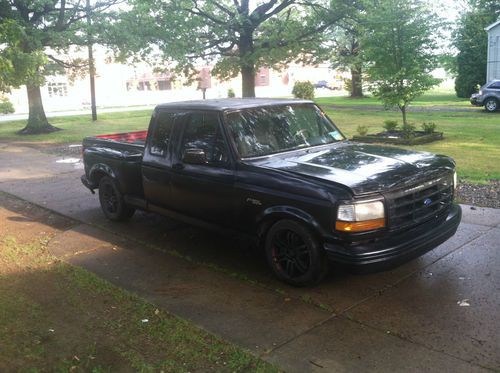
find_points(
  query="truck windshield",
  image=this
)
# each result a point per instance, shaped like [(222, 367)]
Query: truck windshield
[(274, 129)]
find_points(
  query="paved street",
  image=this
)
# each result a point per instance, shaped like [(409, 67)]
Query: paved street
[(440, 312)]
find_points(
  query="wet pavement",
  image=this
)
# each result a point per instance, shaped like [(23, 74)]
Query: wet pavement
[(440, 312)]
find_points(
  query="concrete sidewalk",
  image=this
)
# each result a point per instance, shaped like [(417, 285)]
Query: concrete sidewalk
[(407, 319)]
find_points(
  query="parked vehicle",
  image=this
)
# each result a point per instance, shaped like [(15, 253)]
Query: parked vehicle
[(488, 96), (324, 84), (281, 172)]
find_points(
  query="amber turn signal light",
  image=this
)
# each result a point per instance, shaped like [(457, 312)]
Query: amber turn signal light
[(359, 226)]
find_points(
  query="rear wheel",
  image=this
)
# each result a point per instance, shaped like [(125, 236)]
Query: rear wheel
[(294, 254), (112, 202), (491, 104)]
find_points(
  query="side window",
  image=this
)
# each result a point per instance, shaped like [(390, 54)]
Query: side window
[(161, 133), (203, 132), (495, 85)]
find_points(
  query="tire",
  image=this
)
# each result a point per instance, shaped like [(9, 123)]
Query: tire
[(491, 105), (294, 254), (112, 203)]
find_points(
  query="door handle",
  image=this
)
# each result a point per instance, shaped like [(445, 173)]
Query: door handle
[(178, 166)]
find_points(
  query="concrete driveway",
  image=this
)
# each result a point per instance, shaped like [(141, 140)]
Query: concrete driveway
[(440, 312)]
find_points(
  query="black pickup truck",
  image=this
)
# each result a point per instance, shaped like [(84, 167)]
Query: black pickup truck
[(281, 172)]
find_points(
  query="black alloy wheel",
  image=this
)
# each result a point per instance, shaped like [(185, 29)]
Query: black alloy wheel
[(112, 202), (294, 254)]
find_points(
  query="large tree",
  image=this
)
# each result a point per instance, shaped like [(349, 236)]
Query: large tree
[(238, 36), (39, 33), (400, 46), (347, 54), (471, 41)]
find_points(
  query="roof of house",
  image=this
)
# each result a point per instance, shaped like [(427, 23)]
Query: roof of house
[(230, 103), (493, 25)]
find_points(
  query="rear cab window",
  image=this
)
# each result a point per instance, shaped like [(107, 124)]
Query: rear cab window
[(162, 132)]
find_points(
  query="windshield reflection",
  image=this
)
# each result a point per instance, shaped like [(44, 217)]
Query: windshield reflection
[(267, 130)]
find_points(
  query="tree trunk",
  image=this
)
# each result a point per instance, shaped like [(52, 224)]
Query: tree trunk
[(248, 80), (356, 84), (403, 111), (37, 121)]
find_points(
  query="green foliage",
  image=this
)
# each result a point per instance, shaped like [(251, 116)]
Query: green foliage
[(347, 51), (471, 41), (348, 85), (35, 38), (230, 93), (429, 127), (6, 106), (408, 130), (362, 130), (303, 90), (400, 44), (390, 125), (235, 36)]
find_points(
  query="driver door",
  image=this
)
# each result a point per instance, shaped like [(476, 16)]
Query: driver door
[(205, 189)]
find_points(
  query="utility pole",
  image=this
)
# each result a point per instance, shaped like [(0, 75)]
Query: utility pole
[(91, 66)]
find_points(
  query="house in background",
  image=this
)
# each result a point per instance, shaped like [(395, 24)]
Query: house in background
[(493, 62)]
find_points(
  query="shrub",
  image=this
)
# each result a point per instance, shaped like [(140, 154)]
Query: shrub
[(303, 90), (390, 125), (408, 130), (230, 93), (6, 106), (348, 85), (429, 127), (362, 130)]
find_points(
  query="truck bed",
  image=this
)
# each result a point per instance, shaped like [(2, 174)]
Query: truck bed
[(137, 137), (120, 152)]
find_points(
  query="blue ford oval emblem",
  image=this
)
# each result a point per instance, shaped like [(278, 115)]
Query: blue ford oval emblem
[(427, 201)]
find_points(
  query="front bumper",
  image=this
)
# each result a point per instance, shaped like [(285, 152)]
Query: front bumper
[(397, 249), (476, 101)]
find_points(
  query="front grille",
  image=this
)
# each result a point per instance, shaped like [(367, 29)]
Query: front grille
[(418, 203)]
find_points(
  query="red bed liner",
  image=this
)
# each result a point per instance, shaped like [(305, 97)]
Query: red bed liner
[(129, 137)]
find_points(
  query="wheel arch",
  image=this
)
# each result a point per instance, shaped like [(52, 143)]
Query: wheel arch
[(274, 214), (98, 171)]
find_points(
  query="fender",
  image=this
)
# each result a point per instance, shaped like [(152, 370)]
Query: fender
[(272, 214), (101, 168)]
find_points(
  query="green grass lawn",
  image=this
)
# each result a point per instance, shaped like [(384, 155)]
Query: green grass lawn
[(432, 98), (471, 138), (77, 127)]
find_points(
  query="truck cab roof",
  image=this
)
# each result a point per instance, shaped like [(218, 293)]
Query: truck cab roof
[(230, 103)]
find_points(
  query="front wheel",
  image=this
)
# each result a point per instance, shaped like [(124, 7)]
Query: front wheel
[(491, 105), (112, 203), (294, 254)]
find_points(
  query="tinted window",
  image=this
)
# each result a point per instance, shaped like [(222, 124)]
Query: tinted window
[(273, 129), (495, 85), (202, 132), (161, 133)]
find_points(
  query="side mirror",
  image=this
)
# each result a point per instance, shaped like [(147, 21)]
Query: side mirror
[(195, 156)]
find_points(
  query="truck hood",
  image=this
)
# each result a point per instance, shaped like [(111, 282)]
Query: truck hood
[(361, 167)]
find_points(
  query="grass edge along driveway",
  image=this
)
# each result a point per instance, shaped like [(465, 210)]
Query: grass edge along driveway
[(59, 318)]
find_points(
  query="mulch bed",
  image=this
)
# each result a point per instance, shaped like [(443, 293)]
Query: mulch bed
[(487, 195)]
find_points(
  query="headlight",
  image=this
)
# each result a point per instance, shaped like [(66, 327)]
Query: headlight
[(480, 93), (455, 180), (357, 217)]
